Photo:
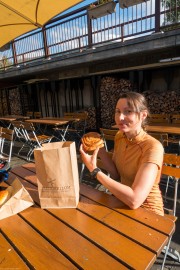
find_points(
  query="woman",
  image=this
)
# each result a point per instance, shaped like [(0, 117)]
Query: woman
[(135, 168)]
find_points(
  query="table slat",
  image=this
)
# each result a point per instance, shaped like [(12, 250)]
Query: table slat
[(37, 252), (128, 227), (151, 219), (9, 259), (111, 241), (74, 245)]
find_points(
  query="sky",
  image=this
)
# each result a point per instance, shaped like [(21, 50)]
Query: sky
[(82, 4)]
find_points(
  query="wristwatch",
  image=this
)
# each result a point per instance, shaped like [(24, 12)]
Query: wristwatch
[(94, 172)]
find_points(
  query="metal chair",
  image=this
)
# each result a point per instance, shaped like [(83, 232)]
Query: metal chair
[(19, 135), (6, 136), (171, 169), (77, 126), (31, 139), (108, 137), (175, 140)]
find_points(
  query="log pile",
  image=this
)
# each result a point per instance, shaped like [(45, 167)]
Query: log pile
[(110, 90), (3, 103), (15, 102), (10, 102), (91, 120), (163, 102)]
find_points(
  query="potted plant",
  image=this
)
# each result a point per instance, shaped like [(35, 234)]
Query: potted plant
[(102, 8), (128, 3)]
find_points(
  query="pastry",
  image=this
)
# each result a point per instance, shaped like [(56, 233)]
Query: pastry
[(91, 141)]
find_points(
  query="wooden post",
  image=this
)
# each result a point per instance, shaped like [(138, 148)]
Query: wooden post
[(46, 49), (157, 16)]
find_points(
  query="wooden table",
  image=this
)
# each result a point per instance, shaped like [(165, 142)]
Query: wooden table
[(54, 123), (101, 233), (48, 121), (10, 118), (13, 117), (161, 127), (60, 118)]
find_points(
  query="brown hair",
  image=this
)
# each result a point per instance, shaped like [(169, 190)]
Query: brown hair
[(137, 102)]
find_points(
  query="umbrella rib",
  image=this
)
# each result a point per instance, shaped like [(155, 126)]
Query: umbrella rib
[(37, 9), (13, 24), (21, 15)]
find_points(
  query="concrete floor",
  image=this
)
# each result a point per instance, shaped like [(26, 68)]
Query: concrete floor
[(175, 243)]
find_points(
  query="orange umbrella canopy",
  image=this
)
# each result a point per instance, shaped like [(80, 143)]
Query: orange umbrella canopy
[(18, 17)]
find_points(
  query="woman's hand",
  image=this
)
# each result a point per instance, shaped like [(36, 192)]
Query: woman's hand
[(89, 160)]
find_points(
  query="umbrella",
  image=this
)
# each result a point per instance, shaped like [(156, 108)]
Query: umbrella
[(18, 17)]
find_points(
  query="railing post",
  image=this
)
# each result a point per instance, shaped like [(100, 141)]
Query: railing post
[(14, 52), (157, 15), (46, 49), (122, 32), (4, 64), (89, 24)]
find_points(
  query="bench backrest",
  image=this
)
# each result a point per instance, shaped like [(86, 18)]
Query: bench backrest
[(175, 119), (80, 115), (171, 165), (159, 118)]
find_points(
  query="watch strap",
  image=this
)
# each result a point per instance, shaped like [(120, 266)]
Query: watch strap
[(94, 172)]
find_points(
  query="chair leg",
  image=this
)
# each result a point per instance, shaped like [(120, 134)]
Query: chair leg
[(167, 185), (175, 196), (166, 253), (81, 173)]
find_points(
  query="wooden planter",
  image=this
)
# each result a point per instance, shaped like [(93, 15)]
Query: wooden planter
[(102, 10), (128, 3)]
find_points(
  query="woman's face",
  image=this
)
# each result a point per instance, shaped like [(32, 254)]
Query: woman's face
[(126, 119)]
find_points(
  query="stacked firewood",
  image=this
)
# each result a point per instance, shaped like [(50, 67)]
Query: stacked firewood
[(110, 90), (14, 101), (91, 120), (163, 102), (3, 103)]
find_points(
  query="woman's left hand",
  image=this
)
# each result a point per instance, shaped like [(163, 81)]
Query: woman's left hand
[(89, 160)]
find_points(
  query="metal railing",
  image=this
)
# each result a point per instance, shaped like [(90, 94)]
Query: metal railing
[(75, 32)]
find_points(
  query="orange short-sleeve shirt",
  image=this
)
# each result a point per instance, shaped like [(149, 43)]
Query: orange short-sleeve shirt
[(128, 157)]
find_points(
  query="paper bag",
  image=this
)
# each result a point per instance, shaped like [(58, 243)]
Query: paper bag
[(18, 201), (57, 175)]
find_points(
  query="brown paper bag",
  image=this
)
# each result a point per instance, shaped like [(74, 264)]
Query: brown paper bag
[(18, 201), (57, 175)]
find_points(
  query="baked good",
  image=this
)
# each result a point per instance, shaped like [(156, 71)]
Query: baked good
[(91, 141), (4, 195)]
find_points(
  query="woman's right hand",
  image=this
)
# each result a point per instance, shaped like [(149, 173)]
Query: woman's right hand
[(89, 160)]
